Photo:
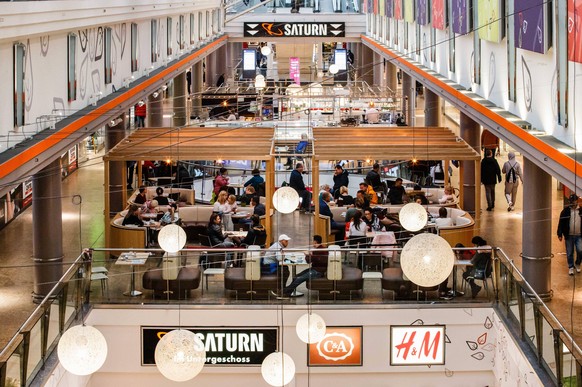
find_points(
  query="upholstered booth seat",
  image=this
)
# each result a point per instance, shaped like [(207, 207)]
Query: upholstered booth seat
[(351, 282), (188, 278), (236, 280)]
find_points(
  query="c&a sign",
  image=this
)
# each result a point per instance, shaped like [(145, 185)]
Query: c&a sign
[(417, 345), (341, 346)]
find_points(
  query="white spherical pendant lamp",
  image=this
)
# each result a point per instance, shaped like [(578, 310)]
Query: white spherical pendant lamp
[(333, 69), (172, 238), (413, 217), (278, 369), (285, 200), (310, 328), (427, 259), (180, 355), (82, 350), (266, 50)]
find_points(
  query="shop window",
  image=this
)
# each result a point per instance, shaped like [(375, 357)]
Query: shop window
[(192, 29), (208, 26), (201, 34), (71, 64), (134, 47), (433, 45), (107, 55), (155, 49), (169, 36), (181, 32), (19, 65)]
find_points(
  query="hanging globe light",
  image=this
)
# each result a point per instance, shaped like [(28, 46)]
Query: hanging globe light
[(310, 328), (180, 355), (172, 238), (333, 69), (427, 259), (82, 350), (285, 200), (294, 89), (278, 369), (266, 50), (413, 217), (260, 82)]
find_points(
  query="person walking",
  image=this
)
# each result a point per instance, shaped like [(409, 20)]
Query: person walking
[(569, 229), (513, 174), (490, 176)]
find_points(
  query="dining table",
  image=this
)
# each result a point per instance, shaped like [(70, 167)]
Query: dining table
[(132, 259)]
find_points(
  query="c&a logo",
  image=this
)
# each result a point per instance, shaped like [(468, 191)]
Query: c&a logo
[(341, 346)]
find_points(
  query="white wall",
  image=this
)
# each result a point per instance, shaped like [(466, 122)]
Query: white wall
[(473, 356)]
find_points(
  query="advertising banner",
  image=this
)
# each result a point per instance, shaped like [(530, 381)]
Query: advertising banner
[(390, 8), (294, 72), (462, 17), (490, 20), (575, 30), (341, 346), (422, 13), (530, 25), (439, 14), (224, 346), (417, 345), (398, 9), (409, 11)]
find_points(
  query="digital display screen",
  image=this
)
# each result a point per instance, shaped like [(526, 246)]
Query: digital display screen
[(249, 59), (341, 59)]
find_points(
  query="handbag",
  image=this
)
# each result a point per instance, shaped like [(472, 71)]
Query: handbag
[(479, 274)]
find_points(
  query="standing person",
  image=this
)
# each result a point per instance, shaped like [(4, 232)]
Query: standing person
[(220, 181), (569, 228), (490, 175), (373, 178), (340, 178), (512, 170), (296, 182), (140, 112), (318, 260), (256, 180), (189, 82)]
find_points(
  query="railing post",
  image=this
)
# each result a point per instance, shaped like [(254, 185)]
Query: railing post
[(521, 308), (44, 331), (2, 374), (63, 307), (558, 353), (539, 331), (24, 351), (578, 374)]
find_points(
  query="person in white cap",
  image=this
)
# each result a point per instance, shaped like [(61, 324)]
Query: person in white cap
[(271, 260)]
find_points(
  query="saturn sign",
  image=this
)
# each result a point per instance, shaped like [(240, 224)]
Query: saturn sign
[(341, 346)]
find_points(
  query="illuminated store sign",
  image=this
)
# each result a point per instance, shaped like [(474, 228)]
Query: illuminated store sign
[(341, 346), (417, 345), (286, 30), (224, 346)]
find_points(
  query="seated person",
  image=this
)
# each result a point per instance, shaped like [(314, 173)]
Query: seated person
[(481, 268), (150, 207), (421, 199), (258, 208), (449, 195), (369, 193), (245, 199), (141, 198), (255, 181), (361, 194), (372, 115), (443, 220), (358, 229), (183, 201), (358, 206), (343, 198), (318, 260), (270, 262), (171, 216), (256, 232), (232, 203), (372, 221), (217, 238), (397, 192), (299, 149), (133, 216), (326, 188), (324, 210), (221, 205), (162, 200)]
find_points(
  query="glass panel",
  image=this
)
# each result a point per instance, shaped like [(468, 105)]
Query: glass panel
[(154, 41), (71, 300), (134, 47), (548, 355), (192, 29), (34, 352), (569, 369), (169, 36), (513, 294), (530, 326), (19, 56), (201, 35), (451, 39), (13, 370), (433, 44), (107, 56), (181, 30), (208, 33), (71, 77), (53, 328)]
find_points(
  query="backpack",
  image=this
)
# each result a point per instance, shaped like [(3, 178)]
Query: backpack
[(510, 176)]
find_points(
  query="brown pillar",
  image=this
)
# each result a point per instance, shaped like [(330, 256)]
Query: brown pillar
[(117, 180), (197, 86), (378, 69), (471, 133), (536, 229), (180, 100), (408, 95), (366, 65), (391, 78), (155, 110), (432, 108), (47, 229)]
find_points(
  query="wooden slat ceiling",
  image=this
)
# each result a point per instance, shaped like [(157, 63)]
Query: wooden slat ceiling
[(195, 144), (390, 143)]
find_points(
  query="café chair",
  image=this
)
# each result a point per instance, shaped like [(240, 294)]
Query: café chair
[(253, 267), (104, 279)]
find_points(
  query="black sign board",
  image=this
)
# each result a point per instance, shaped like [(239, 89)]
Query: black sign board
[(224, 346), (289, 30)]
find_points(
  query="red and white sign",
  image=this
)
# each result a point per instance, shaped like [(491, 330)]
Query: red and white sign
[(417, 345), (341, 346), (294, 70)]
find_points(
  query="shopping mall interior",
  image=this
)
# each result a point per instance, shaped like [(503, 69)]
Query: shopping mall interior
[(290, 193)]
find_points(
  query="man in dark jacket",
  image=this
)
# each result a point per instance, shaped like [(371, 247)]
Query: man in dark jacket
[(569, 228), (296, 182), (324, 210), (340, 178), (490, 175), (373, 178)]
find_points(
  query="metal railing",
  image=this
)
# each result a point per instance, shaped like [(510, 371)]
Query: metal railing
[(523, 312)]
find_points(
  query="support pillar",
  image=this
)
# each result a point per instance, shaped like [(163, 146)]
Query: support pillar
[(378, 69), (391, 76), (432, 108), (180, 100), (366, 65), (210, 75), (408, 96), (47, 229), (117, 175), (197, 85), (471, 133), (155, 110), (536, 229)]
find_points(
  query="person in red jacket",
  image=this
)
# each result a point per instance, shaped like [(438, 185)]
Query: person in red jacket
[(140, 114)]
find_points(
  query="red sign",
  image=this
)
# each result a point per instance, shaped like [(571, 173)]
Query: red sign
[(341, 346), (294, 70), (417, 345)]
